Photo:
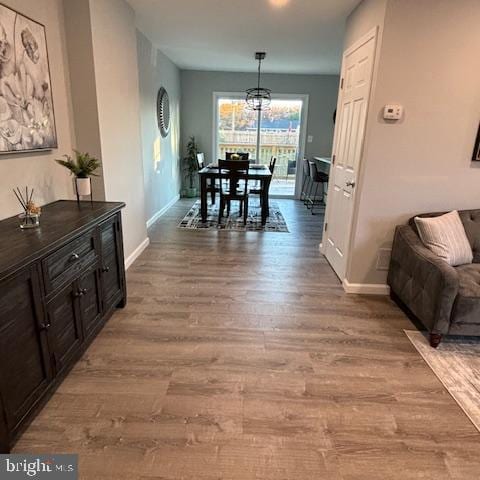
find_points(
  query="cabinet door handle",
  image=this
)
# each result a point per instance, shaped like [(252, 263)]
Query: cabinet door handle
[(45, 326), (84, 291), (105, 269), (74, 257), (78, 293)]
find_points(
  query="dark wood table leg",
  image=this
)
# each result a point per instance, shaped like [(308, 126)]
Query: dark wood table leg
[(203, 197), (265, 205)]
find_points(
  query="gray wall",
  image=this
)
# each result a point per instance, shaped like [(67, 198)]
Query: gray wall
[(38, 170), (197, 103), (161, 162)]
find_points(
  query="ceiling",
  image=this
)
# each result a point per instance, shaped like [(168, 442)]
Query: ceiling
[(299, 36)]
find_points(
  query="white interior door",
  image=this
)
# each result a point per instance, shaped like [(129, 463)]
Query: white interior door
[(357, 68)]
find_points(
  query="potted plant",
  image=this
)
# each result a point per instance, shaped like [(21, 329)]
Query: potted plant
[(190, 167), (83, 166)]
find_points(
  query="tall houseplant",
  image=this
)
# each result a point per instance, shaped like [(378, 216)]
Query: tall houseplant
[(190, 167), (83, 166)]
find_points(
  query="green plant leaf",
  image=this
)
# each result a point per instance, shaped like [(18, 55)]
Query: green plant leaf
[(83, 166)]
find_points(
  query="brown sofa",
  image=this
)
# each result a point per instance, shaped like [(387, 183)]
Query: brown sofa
[(445, 299)]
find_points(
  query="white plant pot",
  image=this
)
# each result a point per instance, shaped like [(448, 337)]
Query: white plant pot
[(83, 186)]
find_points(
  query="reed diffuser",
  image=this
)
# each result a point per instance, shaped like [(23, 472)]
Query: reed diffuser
[(30, 218)]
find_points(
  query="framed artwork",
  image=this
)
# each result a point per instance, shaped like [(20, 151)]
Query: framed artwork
[(476, 149), (27, 119)]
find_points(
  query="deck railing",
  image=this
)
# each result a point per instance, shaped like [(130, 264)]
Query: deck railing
[(249, 137), (281, 145)]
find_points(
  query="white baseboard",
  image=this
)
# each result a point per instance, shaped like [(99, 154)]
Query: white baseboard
[(136, 253), (157, 215), (366, 288)]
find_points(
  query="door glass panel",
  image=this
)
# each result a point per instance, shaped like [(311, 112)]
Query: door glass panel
[(280, 138), (236, 128)]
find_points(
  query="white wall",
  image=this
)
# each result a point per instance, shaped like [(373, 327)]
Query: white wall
[(161, 156), (116, 74), (38, 170), (105, 92), (82, 83), (367, 15), (429, 63)]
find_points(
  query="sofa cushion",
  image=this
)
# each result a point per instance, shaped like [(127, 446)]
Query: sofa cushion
[(445, 236), (471, 222), (467, 304)]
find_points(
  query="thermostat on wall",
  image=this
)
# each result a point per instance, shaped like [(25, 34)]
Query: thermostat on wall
[(392, 112)]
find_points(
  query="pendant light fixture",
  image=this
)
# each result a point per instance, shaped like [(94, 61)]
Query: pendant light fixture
[(258, 98)]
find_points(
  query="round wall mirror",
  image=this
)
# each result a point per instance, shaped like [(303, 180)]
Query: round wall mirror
[(163, 112)]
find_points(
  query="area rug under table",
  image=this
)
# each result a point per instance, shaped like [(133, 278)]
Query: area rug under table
[(275, 221), (456, 363)]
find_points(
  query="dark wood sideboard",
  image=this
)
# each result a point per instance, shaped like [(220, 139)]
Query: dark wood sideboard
[(58, 286)]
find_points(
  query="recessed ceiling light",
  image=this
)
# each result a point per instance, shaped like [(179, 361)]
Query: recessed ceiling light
[(279, 3)]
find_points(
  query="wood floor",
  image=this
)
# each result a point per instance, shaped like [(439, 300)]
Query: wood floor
[(240, 357)]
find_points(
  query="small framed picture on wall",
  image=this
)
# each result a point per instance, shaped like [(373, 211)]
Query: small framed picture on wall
[(476, 150)]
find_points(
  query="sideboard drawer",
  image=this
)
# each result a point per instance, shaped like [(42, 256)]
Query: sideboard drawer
[(69, 261)]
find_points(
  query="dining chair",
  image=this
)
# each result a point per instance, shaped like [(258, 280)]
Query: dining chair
[(291, 168), (307, 182), (212, 184), (257, 190), (317, 178), (242, 155), (233, 186)]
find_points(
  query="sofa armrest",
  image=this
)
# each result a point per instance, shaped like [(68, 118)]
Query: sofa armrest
[(424, 282)]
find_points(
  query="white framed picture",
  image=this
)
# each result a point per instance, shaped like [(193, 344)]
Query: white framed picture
[(27, 119)]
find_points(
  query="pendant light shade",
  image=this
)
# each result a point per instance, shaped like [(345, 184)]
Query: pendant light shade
[(258, 98)]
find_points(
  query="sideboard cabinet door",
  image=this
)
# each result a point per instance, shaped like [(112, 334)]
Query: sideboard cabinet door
[(91, 300), (25, 370), (113, 274), (65, 334)]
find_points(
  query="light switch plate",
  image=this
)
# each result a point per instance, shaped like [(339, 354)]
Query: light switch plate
[(310, 138)]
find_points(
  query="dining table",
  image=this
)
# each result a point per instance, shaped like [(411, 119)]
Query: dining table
[(256, 172)]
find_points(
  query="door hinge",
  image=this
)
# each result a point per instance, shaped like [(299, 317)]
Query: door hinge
[(326, 226), (333, 159), (341, 84)]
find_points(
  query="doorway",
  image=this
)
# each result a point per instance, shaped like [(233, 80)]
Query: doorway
[(352, 106), (277, 132)]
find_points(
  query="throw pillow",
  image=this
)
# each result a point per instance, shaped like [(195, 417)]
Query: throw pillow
[(445, 236)]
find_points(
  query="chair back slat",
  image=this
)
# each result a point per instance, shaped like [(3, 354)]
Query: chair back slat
[(306, 167), (273, 161)]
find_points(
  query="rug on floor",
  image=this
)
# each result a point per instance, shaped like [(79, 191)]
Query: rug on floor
[(275, 222), (456, 363)]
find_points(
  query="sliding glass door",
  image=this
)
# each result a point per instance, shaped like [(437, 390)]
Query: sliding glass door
[(280, 138), (277, 132), (236, 129)]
